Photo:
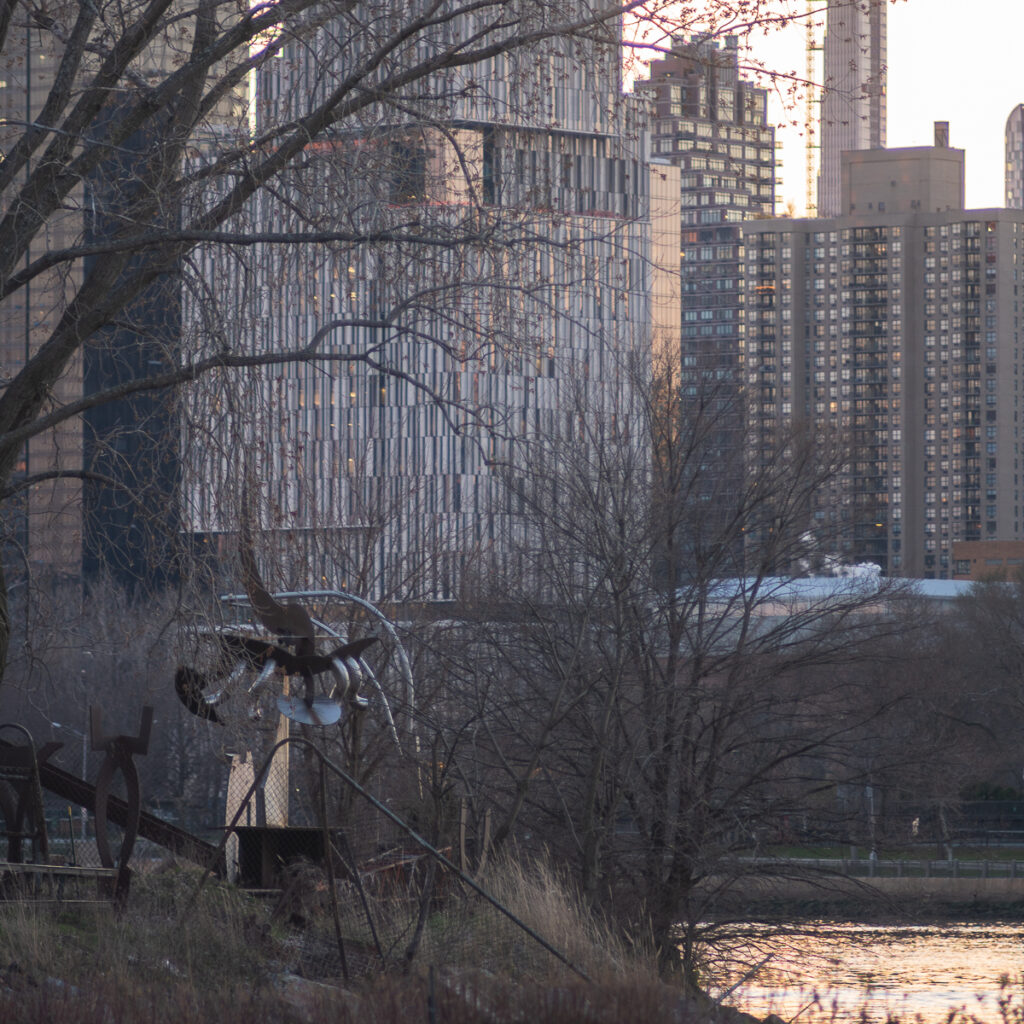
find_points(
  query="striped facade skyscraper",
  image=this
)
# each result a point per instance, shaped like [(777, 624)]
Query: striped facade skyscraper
[(515, 292), (853, 102)]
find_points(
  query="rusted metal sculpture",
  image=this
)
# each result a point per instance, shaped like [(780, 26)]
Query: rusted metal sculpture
[(21, 799), (119, 752), (290, 622)]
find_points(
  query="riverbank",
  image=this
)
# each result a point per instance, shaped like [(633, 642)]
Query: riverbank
[(215, 955), (212, 954), (867, 899)]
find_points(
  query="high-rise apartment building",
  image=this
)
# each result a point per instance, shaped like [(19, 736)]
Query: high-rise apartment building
[(384, 482), (1015, 159), (122, 520), (712, 123), (48, 530), (853, 101), (894, 331)]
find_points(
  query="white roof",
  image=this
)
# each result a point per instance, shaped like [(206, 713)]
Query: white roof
[(811, 589)]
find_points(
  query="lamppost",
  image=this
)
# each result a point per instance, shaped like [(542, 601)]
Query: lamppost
[(85, 759)]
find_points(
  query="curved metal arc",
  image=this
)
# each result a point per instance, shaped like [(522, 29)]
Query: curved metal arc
[(369, 674), (111, 764), (338, 666), (265, 673)]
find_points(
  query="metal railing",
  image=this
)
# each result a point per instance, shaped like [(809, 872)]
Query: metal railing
[(870, 867)]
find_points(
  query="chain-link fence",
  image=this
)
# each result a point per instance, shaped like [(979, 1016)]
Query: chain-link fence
[(72, 834)]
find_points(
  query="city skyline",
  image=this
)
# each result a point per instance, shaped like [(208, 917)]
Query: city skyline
[(922, 91)]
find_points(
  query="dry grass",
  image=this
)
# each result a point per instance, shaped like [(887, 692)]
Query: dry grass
[(475, 934), (82, 962), (227, 958), (476, 998)]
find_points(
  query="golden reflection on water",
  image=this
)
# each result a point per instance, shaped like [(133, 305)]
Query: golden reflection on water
[(828, 971)]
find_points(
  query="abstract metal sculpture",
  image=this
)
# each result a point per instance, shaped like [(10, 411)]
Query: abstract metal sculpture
[(21, 801), (290, 653), (119, 751), (240, 652), (189, 685)]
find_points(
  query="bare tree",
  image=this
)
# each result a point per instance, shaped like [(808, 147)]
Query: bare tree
[(657, 696), (977, 698)]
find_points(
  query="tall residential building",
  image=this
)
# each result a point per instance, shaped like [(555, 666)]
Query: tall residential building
[(1015, 158), (712, 123), (46, 531), (854, 94), (894, 330), (123, 518), (380, 482)]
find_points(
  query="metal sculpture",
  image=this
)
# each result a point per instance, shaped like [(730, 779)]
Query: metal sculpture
[(119, 752), (290, 650), (21, 800), (240, 653)]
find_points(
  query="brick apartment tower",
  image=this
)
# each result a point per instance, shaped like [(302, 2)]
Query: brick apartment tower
[(894, 329)]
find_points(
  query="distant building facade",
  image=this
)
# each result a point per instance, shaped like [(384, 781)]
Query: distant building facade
[(712, 123), (1015, 159), (384, 484), (895, 330), (984, 560), (123, 519), (46, 529), (853, 101)]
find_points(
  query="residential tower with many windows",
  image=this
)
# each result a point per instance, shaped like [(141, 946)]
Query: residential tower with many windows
[(894, 331), (712, 123)]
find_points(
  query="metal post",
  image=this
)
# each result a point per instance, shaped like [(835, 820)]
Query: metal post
[(85, 768)]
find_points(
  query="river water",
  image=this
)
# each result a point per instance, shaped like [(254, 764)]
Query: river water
[(840, 972)]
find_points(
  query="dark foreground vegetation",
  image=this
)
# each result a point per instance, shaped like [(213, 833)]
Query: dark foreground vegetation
[(184, 952)]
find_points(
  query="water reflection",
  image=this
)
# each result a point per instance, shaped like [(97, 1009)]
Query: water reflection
[(837, 972)]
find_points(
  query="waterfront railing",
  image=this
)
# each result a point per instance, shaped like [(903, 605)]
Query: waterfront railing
[(871, 867)]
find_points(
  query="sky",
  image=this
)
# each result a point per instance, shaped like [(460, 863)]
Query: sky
[(943, 66)]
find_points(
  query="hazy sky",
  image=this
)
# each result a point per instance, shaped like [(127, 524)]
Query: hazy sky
[(943, 66)]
